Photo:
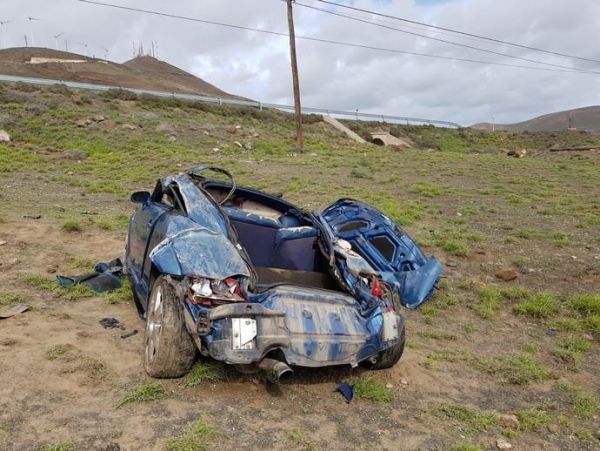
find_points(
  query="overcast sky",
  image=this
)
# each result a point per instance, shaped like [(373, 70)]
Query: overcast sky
[(256, 65)]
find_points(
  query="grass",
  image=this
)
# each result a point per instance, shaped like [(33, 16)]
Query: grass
[(516, 369), (85, 263), (200, 437), (532, 419), (366, 387), (489, 301), (425, 189), (72, 225), (571, 350), (61, 446), (204, 372), (543, 306), (585, 405), (7, 298), (585, 304), (43, 283), (54, 352), (143, 392), (466, 447), (301, 439), (468, 420), (120, 295)]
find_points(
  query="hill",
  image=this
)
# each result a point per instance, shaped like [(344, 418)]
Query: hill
[(586, 118), (143, 72)]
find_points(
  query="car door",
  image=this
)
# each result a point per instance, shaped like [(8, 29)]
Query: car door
[(141, 225)]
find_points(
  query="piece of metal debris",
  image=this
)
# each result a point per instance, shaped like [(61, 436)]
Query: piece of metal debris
[(129, 334), (346, 390), (111, 323), (14, 310)]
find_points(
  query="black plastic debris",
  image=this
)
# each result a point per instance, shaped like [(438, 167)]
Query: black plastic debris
[(346, 390), (111, 323), (129, 334), (32, 216), (106, 277)]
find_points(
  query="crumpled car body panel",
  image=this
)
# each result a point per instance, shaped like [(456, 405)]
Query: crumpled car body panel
[(388, 248)]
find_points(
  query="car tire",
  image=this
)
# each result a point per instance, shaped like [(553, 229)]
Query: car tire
[(389, 357), (169, 350)]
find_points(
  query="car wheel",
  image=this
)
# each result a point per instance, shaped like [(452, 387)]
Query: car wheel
[(389, 357), (169, 349)]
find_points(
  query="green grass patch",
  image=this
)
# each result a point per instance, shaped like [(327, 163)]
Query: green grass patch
[(82, 263), (7, 298), (204, 372), (366, 387), (300, 439), (43, 283), (466, 447), (56, 351), (468, 420), (586, 304), (585, 405), (517, 369), (72, 225), (438, 335), (200, 437), (144, 392), (543, 305), (62, 446), (489, 302), (120, 295), (425, 189), (532, 419)]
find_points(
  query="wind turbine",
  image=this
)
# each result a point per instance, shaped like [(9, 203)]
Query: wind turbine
[(105, 53), (56, 36), (2, 23), (84, 45), (31, 19)]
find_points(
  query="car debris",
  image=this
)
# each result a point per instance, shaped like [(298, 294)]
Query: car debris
[(129, 334), (346, 390), (14, 310), (251, 280), (111, 323), (105, 277)]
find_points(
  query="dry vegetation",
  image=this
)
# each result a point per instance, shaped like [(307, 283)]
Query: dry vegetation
[(480, 350)]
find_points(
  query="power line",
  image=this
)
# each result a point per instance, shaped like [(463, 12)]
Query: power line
[(471, 47), (333, 42), (464, 33)]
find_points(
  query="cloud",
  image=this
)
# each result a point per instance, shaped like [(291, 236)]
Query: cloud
[(257, 65)]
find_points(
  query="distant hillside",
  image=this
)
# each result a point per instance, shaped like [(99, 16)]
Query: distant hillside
[(143, 72), (586, 118)]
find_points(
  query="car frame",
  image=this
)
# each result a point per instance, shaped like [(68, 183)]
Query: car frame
[(249, 279)]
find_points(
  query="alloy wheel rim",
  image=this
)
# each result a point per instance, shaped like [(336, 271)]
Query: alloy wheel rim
[(154, 325)]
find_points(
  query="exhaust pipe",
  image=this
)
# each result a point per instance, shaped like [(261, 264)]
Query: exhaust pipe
[(275, 369)]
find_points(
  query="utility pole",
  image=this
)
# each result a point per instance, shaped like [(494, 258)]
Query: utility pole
[(297, 105)]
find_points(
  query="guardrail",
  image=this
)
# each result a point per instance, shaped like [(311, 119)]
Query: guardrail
[(352, 115)]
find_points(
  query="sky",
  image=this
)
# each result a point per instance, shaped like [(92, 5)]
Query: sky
[(256, 65)]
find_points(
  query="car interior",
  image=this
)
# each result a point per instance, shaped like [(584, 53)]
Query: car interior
[(281, 243)]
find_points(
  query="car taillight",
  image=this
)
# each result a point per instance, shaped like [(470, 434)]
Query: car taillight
[(210, 291)]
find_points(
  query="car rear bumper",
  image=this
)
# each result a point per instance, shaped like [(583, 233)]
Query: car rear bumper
[(312, 328)]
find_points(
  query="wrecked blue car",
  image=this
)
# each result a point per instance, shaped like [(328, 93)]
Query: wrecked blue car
[(251, 280)]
